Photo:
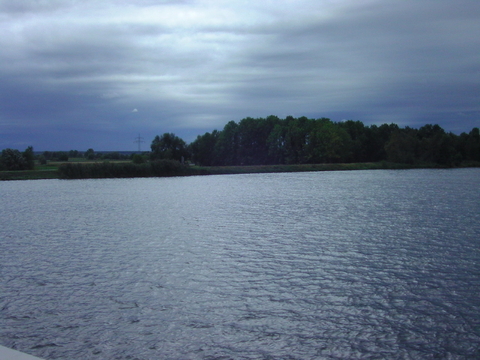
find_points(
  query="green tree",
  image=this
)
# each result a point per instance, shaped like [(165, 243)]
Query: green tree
[(277, 143), (226, 148), (436, 146), (114, 155), (472, 146), (48, 155), (203, 148), (429, 131), (401, 147), (62, 156), (73, 154), (252, 137), (328, 143), (168, 146), (296, 139), (359, 140), (12, 159), (29, 157), (382, 135), (89, 154)]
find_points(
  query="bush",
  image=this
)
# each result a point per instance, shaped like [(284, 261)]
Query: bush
[(138, 159), (158, 168), (62, 156)]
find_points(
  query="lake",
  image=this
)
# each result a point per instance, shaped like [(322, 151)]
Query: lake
[(323, 265)]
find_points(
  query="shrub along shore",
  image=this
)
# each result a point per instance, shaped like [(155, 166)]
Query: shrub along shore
[(169, 168)]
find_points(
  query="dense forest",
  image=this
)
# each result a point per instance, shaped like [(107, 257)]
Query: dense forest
[(271, 140)]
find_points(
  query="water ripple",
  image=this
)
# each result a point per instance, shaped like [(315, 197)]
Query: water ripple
[(368, 264)]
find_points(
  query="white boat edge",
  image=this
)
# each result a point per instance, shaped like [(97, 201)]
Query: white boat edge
[(10, 354)]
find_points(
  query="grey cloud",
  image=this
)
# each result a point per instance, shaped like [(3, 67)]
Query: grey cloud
[(383, 50), (32, 6), (378, 61)]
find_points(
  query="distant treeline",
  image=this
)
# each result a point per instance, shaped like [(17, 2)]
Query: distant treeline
[(90, 154), (274, 141), (271, 140), (12, 159)]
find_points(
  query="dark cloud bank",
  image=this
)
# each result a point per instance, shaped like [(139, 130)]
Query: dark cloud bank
[(73, 72)]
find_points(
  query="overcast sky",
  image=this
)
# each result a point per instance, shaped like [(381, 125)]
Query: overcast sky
[(79, 74)]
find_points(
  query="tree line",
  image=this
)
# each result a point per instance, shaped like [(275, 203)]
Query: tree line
[(90, 154), (12, 159), (271, 140), (276, 141)]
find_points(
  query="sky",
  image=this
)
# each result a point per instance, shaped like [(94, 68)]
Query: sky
[(79, 74)]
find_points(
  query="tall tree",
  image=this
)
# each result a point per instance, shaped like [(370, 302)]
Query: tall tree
[(276, 143), (253, 140), (29, 157), (329, 142), (358, 132), (472, 146), (203, 148), (296, 139), (226, 148), (401, 147)]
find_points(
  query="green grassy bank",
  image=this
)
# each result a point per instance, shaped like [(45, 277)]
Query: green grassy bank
[(122, 169), (29, 174)]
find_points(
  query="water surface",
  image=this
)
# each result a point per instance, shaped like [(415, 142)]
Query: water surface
[(325, 265)]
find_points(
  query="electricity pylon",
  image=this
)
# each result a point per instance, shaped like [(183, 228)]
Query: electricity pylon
[(139, 140)]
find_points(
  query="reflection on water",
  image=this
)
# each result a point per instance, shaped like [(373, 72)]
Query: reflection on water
[(364, 264)]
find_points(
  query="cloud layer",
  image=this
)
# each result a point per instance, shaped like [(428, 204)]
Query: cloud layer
[(79, 74)]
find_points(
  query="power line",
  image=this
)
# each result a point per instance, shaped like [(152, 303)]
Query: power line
[(139, 140)]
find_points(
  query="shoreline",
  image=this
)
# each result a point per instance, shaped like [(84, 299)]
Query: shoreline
[(41, 174)]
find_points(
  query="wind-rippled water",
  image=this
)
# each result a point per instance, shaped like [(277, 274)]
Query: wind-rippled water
[(327, 265)]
